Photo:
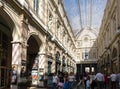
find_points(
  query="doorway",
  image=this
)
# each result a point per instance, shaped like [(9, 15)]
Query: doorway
[(32, 60), (5, 54)]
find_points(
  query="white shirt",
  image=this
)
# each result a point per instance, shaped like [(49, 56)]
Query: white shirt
[(99, 77), (113, 77), (55, 79), (71, 78)]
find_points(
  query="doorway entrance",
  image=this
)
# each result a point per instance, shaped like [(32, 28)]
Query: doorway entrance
[(5, 54), (32, 60)]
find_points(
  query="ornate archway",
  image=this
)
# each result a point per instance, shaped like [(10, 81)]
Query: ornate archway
[(32, 68), (5, 52)]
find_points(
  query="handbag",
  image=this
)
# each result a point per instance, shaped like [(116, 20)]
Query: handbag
[(60, 84)]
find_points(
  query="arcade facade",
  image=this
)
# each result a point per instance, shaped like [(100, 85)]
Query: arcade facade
[(30, 42), (36, 39)]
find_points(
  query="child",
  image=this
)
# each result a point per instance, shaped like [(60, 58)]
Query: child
[(88, 82)]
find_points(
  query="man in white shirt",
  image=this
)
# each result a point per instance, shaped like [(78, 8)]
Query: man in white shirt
[(99, 77), (113, 80), (55, 80)]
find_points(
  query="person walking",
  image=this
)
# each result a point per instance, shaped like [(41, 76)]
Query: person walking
[(55, 80), (61, 80), (105, 81), (85, 78), (14, 75), (99, 77), (113, 80), (88, 82)]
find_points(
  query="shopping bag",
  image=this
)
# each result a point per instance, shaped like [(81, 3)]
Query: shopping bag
[(60, 84)]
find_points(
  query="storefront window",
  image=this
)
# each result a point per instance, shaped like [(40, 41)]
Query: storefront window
[(36, 5), (85, 54), (87, 69), (49, 67), (58, 62)]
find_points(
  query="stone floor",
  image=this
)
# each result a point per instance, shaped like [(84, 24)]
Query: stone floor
[(76, 87), (15, 87)]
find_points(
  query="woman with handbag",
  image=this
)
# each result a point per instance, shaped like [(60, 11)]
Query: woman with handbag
[(61, 80)]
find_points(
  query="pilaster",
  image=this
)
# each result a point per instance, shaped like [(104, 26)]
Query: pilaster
[(43, 58), (54, 58), (46, 12)]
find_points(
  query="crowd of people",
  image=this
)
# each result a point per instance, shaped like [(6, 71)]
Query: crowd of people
[(99, 81), (60, 81), (104, 80), (69, 81)]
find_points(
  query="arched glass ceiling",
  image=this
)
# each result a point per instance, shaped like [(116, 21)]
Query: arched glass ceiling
[(82, 13)]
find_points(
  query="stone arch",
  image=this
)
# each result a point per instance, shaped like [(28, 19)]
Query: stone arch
[(38, 40), (35, 40), (7, 18), (33, 57), (7, 27), (11, 22), (39, 37)]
